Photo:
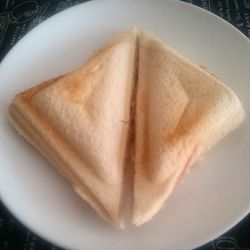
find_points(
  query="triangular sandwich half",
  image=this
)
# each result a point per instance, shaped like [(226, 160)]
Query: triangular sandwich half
[(181, 111), (80, 122)]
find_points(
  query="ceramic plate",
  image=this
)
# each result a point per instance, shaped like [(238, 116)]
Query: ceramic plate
[(210, 200)]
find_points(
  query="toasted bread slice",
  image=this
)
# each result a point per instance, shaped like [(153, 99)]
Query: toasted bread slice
[(77, 122), (181, 111)]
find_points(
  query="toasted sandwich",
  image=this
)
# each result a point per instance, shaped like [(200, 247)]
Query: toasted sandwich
[(181, 112), (80, 123), (134, 86)]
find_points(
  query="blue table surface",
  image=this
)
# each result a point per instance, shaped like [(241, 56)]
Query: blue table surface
[(17, 17)]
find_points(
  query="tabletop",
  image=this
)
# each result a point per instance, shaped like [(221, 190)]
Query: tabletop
[(17, 17)]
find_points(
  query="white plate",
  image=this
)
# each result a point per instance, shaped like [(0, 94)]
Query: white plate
[(210, 200)]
